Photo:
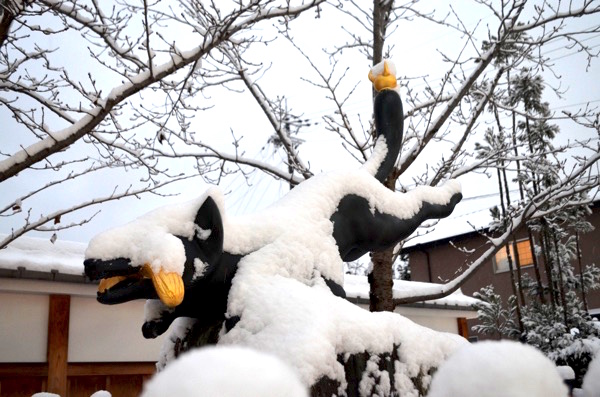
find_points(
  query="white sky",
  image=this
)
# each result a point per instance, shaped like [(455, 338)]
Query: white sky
[(415, 54)]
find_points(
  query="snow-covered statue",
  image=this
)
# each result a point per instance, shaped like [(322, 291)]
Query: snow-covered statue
[(273, 281)]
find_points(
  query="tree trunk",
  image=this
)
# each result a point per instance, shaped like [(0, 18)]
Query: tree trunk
[(536, 268), (548, 265), (561, 283), (508, 255), (583, 295), (381, 281), (519, 283), (381, 277)]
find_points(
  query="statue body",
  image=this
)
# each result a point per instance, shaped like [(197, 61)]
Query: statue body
[(228, 274)]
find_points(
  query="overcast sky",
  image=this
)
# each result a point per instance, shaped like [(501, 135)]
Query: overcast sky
[(415, 53)]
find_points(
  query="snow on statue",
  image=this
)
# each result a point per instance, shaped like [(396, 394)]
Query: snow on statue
[(274, 280)]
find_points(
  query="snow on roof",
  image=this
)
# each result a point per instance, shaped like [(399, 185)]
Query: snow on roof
[(41, 255), (358, 287), (469, 215)]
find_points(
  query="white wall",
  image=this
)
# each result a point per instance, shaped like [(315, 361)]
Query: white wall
[(23, 327), (97, 333), (100, 333), (437, 319)]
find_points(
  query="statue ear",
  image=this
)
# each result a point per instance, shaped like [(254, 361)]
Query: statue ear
[(209, 230)]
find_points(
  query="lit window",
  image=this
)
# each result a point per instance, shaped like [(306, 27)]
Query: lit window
[(525, 256)]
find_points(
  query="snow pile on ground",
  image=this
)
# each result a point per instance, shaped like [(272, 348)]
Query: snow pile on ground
[(591, 380), (225, 371), (498, 369), (566, 372)]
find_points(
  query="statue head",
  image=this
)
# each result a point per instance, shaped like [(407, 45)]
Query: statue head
[(138, 270)]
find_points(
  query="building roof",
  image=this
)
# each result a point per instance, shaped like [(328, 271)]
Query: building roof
[(40, 259), (468, 220)]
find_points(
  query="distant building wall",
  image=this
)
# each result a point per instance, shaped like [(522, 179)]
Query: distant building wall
[(101, 333), (441, 261)]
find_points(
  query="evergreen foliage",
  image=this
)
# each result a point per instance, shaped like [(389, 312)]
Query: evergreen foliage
[(546, 312)]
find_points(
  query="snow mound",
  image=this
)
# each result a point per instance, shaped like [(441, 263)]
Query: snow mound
[(295, 225), (101, 393), (566, 372), (591, 380), (498, 369), (225, 371)]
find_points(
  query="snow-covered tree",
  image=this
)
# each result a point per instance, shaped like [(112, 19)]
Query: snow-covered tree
[(547, 312), (560, 326), (495, 319), (146, 74), (121, 94)]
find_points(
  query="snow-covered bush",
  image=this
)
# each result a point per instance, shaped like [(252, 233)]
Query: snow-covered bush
[(591, 381), (498, 369), (226, 371), (543, 327)]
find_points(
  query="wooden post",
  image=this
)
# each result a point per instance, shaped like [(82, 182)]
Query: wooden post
[(463, 327), (58, 343)]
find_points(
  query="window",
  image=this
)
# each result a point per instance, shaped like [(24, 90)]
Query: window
[(525, 256)]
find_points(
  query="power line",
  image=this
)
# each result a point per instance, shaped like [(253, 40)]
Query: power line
[(363, 102)]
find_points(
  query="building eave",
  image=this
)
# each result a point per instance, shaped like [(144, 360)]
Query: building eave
[(418, 305), (53, 275)]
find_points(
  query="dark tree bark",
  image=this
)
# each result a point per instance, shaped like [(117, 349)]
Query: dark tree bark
[(381, 277)]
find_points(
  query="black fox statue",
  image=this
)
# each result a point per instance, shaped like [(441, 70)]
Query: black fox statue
[(192, 261)]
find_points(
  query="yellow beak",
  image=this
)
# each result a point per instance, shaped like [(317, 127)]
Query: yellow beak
[(385, 80)]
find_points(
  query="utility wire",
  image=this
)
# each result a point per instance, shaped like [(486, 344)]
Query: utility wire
[(359, 104)]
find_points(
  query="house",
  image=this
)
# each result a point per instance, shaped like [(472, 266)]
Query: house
[(441, 258), (55, 337)]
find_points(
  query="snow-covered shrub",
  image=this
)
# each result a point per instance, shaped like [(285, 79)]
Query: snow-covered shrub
[(498, 369), (495, 320), (591, 381), (226, 371), (543, 327)]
